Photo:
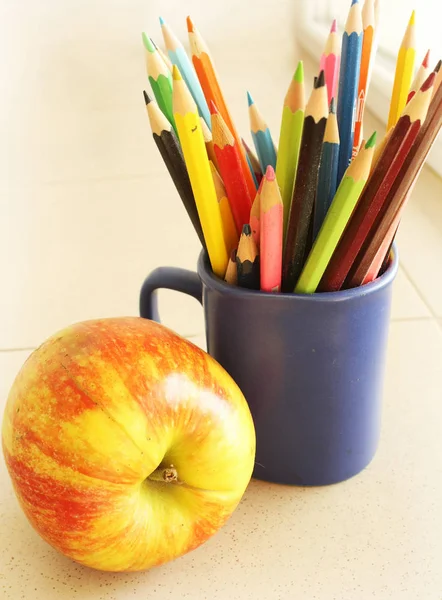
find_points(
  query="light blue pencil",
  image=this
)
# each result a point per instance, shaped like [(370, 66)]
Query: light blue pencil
[(178, 57), (265, 148), (348, 84), (328, 171)]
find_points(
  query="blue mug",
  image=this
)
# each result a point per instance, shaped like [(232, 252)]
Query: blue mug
[(310, 366)]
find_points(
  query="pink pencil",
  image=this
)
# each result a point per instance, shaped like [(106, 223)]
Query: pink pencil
[(271, 224), (255, 215), (331, 61)]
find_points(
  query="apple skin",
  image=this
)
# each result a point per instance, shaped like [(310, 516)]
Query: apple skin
[(98, 417)]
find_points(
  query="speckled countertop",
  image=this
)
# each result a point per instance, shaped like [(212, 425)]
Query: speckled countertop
[(378, 535)]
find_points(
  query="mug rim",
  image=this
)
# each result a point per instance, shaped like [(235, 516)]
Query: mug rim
[(210, 279)]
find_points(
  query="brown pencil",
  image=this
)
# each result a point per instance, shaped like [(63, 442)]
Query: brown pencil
[(363, 269), (306, 181), (247, 260), (374, 195)]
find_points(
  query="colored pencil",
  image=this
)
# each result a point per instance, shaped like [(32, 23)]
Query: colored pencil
[(207, 76), (170, 150), (231, 275), (271, 236), (403, 74), (208, 140), (348, 84), (195, 155), (231, 237), (255, 215), (247, 260), (331, 60), (229, 161), (336, 219), (262, 138), (367, 57), (376, 191), (290, 136), (178, 56), (160, 79), (368, 263), (163, 56), (301, 210), (420, 77), (438, 81), (253, 162), (328, 170)]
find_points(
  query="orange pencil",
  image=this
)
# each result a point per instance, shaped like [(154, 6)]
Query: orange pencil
[(367, 57), (208, 140), (271, 222), (205, 70), (229, 161)]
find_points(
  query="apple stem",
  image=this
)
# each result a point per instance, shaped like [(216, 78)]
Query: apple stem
[(164, 474)]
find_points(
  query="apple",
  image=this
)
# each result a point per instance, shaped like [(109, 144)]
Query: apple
[(127, 445)]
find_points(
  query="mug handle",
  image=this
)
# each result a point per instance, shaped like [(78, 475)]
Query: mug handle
[(171, 278)]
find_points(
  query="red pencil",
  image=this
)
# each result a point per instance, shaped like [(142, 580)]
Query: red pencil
[(271, 222), (376, 190), (229, 161), (421, 76)]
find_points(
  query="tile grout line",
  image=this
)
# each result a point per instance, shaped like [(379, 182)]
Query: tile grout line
[(418, 292), (25, 349)]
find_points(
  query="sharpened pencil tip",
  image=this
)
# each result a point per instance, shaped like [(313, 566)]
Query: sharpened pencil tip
[(147, 43), (147, 98), (428, 83), (320, 82), (332, 108), (249, 99), (176, 75), (438, 66), (299, 73), (371, 141), (246, 229), (334, 27), (212, 108), (354, 2), (270, 173), (162, 21), (412, 18), (190, 25), (426, 61)]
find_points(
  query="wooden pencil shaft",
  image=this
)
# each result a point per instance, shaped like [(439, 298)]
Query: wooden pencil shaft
[(399, 192), (370, 203), (301, 210), (173, 158), (248, 273)]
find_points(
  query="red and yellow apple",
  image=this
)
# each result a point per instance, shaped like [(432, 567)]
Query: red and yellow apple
[(127, 445)]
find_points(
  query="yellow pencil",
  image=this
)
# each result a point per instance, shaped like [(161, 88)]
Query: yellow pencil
[(404, 74), (195, 155)]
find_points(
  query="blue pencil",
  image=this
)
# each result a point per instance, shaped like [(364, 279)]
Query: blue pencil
[(178, 57), (328, 171), (348, 84), (265, 148)]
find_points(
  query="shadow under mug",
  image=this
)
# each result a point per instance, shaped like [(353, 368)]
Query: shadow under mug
[(311, 367)]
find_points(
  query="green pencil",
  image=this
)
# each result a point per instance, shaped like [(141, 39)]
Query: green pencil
[(336, 219), (290, 139), (160, 79)]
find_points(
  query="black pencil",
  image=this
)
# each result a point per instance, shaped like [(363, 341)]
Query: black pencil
[(304, 193), (169, 147), (247, 260)]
